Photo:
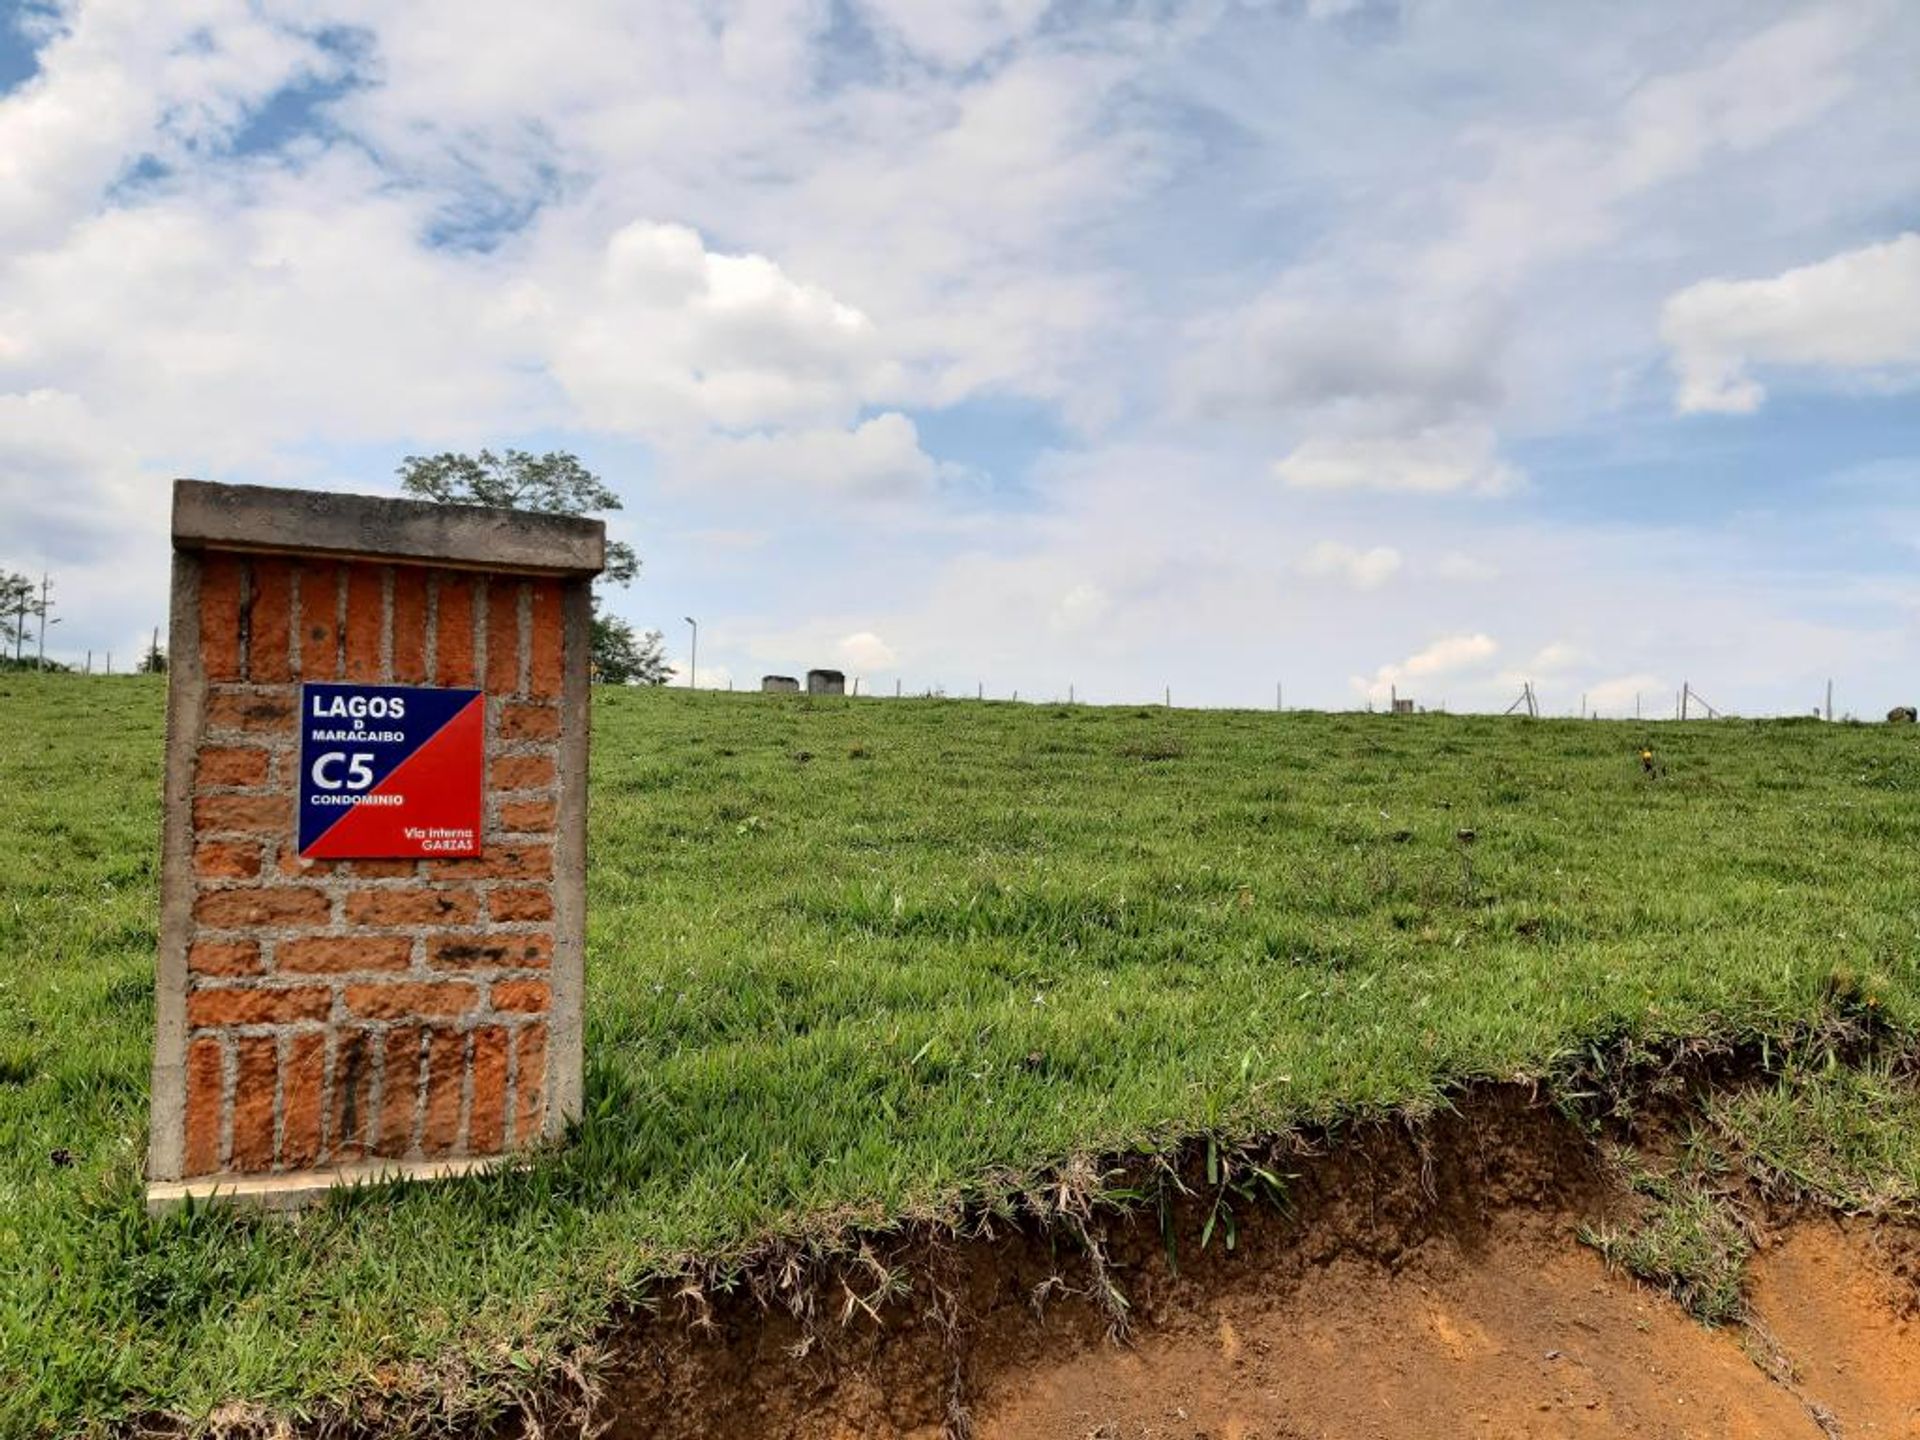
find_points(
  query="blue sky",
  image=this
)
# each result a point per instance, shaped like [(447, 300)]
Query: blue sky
[(1429, 345)]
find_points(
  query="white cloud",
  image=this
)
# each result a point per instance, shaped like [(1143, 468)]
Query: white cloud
[(1309, 348), (313, 296), (1446, 656), (954, 32), (1362, 569), (1554, 191), (123, 80), (711, 677), (1556, 656), (1449, 656), (1857, 312), (865, 653), (68, 485), (1465, 569), (1621, 694), (879, 459), (81, 506), (1450, 459), (665, 334), (1081, 608), (218, 323), (735, 254)]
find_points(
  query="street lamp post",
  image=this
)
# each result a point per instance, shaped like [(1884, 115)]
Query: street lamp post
[(693, 654), (46, 584)]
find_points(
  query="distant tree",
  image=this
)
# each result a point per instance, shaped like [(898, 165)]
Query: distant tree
[(554, 484), (154, 662), (19, 603), (22, 613), (622, 658)]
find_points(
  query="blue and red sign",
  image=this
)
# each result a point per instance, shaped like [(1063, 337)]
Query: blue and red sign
[(390, 771)]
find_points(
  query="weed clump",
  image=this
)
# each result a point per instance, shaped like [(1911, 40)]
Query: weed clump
[(1688, 1240)]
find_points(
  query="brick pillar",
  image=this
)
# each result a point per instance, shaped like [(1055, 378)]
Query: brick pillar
[(321, 1020)]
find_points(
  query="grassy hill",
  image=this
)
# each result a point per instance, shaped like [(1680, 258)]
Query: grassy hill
[(850, 961)]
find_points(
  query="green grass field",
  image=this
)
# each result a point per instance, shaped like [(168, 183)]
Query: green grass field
[(851, 961)]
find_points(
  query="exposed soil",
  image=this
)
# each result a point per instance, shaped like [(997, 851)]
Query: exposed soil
[(1414, 1285)]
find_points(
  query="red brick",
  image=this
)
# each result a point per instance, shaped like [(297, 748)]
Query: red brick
[(233, 1006), (253, 909), (319, 621), (350, 1100), (503, 637), (253, 1091), (252, 814), (303, 1099), (366, 622), (293, 867), (528, 817), (529, 1083), (291, 864), (221, 581), (548, 637), (490, 952), (412, 905), (250, 710), (453, 635), (524, 997), (219, 765), (269, 622), (446, 1052), (409, 627), (529, 722), (532, 902), (227, 859), (223, 957), (206, 1086), (406, 999), (338, 954), (499, 862), (386, 869), (520, 772), (487, 1115), (399, 1089)]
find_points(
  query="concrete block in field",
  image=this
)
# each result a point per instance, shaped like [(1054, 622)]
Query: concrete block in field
[(779, 685), (826, 682)]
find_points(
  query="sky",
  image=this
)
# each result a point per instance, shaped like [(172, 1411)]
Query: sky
[(1354, 347)]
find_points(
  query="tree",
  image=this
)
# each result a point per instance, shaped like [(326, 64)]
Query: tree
[(553, 484), (621, 658), (17, 602), (154, 662)]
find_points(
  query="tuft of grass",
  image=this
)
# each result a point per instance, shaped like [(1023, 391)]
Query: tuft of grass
[(1152, 747), (1843, 1137), (816, 987), (1688, 1238)]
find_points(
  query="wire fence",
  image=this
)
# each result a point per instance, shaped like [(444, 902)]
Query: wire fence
[(1684, 704)]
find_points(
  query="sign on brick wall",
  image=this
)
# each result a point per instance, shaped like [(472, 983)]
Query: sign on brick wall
[(390, 771), (373, 878)]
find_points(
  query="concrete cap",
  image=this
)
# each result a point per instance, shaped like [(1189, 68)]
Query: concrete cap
[(266, 518)]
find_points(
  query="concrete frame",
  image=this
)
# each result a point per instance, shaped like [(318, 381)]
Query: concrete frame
[(373, 527)]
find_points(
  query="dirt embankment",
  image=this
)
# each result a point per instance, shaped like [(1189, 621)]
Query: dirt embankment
[(1411, 1284)]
